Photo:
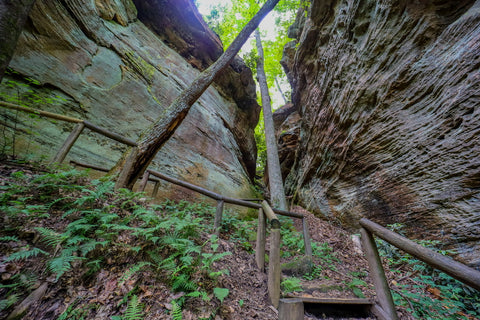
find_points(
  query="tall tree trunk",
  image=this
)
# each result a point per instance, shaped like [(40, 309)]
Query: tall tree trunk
[(155, 137), (277, 192), (280, 90), (13, 14)]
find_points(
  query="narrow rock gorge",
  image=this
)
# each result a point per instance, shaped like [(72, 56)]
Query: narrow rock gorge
[(386, 119), (118, 64)]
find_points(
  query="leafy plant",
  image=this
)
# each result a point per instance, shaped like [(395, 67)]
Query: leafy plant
[(355, 285), (25, 254), (221, 293), (134, 309), (291, 284)]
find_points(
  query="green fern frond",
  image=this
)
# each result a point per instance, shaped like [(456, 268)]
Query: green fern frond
[(196, 294), (22, 255), (176, 311), (75, 240), (107, 218), (9, 301), (132, 271), (9, 239), (91, 245), (62, 263), (51, 237), (134, 309), (182, 282), (80, 227)]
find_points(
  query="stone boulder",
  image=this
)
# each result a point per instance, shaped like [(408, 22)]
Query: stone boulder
[(95, 60), (388, 95)]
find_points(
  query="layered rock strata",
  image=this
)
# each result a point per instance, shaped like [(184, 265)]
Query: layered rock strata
[(388, 94), (95, 60)]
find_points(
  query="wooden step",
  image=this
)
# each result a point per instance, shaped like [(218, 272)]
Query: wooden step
[(336, 307), (310, 299)]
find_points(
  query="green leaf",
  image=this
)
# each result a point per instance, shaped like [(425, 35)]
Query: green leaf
[(221, 293)]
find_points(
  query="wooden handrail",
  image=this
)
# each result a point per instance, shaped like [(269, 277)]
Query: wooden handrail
[(56, 116), (217, 196), (274, 222), (109, 134), (39, 112), (451, 267)]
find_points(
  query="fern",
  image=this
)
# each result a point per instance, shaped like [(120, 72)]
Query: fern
[(132, 271), (134, 309), (91, 245), (51, 238), (9, 301), (62, 263), (176, 311), (9, 239), (22, 255), (196, 294), (182, 282)]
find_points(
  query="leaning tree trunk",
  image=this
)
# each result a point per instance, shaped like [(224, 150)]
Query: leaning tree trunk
[(13, 14), (154, 138), (277, 192)]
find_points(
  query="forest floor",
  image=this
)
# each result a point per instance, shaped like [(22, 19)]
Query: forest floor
[(120, 278)]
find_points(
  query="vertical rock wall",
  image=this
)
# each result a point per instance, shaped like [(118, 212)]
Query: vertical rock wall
[(389, 96), (95, 60)]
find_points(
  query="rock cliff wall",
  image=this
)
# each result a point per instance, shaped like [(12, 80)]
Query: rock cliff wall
[(388, 93), (96, 60)]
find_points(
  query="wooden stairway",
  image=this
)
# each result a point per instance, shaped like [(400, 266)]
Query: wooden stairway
[(293, 307)]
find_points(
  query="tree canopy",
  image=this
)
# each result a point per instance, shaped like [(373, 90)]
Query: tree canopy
[(227, 19)]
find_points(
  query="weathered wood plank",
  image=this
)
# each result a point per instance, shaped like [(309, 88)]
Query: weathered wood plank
[(155, 189), (291, 309), (39, 112), (109, 134), (377, 273), (217, 196), (306, 237), (274, 222), (451, 267), (274, 268), (332, 300), (218, 217), (261, 240), (143, 183), (69, 142)]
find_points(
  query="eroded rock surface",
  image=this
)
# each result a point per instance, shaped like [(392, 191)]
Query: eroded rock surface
[(388, 94), (95, 60)]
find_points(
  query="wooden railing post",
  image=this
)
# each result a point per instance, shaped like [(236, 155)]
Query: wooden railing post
[(274, 267), (155, 189), (377, 273), (453, 268), (306, 237), (261, 237), (291, 309), (143, 183), (218, 217), (69, 142)]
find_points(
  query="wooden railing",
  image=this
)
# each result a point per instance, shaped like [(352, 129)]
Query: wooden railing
[(264, 209), (457, 270), (77, 130)]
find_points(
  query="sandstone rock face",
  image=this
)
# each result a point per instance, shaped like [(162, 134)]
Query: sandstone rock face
[(388, 94), (95, 60)]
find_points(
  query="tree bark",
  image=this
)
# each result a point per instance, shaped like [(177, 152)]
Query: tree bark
[(275, 181), (13, 15), (155, 137), (280, 90)]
